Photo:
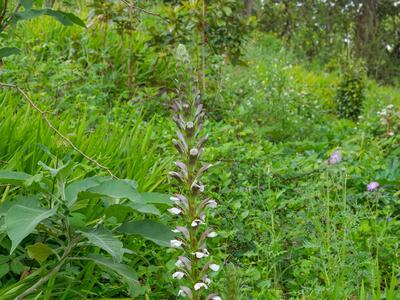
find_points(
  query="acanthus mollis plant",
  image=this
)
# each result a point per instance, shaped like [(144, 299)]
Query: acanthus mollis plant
[(194, 264)]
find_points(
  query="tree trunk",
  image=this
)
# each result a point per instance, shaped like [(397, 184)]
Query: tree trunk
[(248, 7), (366, 28)]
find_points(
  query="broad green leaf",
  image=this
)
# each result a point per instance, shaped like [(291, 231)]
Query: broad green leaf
[(27, 4), (123, 270), (157, 198), (75, 19), (35, 178), (29, 14), (28, 201), (118, 211), (4, 259), (103, 238), (77, 220), (4, 269), (2, 228), (150, 230), (144, 208), (72, 190), (64, 18), (17, 266), (39, 252), (227, 10), (7, 51), (63, 170), (21, 220), (117, 189), (11, 177)]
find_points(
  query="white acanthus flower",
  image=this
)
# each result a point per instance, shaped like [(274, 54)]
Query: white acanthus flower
[(212, 234), (178, 275), (175, 211), (174, 199), (197, 222), (176, 243), (200, 285), (201, 254), (216, 298), (198, 186), (179, 263), (206, 280), (212, 203), (214, 267), (194, 152), (184, 291)]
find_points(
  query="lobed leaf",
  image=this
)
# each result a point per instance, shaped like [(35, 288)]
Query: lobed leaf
[(123, 270), (20, 221), (39, 252), (104, 239), (150, 230), (11, 177)]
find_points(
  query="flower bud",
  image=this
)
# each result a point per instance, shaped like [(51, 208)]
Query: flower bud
[(194, 152)]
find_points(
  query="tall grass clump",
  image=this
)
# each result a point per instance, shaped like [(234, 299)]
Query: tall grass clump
[(121, 139)]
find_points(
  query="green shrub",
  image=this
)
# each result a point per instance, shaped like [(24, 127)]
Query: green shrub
[(350, 93)]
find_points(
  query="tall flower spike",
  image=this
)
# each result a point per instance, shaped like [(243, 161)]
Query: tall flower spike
[(194, 263)]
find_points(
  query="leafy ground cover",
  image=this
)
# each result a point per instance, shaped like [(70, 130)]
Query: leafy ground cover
[(296, 226), (296, 218)]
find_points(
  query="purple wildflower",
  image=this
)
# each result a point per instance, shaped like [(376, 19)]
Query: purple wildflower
[(372, 186), (390, 219), (335, 158)]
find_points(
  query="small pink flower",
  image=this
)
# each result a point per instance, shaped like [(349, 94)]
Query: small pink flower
[(335, 158), (372, 186)]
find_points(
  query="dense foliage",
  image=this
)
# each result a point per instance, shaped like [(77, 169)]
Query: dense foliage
[(94, 98), (350, 92), (325, 29)]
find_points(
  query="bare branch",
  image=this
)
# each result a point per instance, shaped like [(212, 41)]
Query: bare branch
[(127, 3), (51, 126), (53, 272)]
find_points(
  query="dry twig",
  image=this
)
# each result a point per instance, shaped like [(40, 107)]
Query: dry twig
[(127, 3)]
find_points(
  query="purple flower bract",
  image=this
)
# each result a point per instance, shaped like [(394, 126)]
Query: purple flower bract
[(372, 186), (335, 158)]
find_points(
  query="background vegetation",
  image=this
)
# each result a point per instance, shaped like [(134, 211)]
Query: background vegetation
[(303, 112)]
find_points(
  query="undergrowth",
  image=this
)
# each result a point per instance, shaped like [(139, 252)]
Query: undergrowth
[(291, 224)]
